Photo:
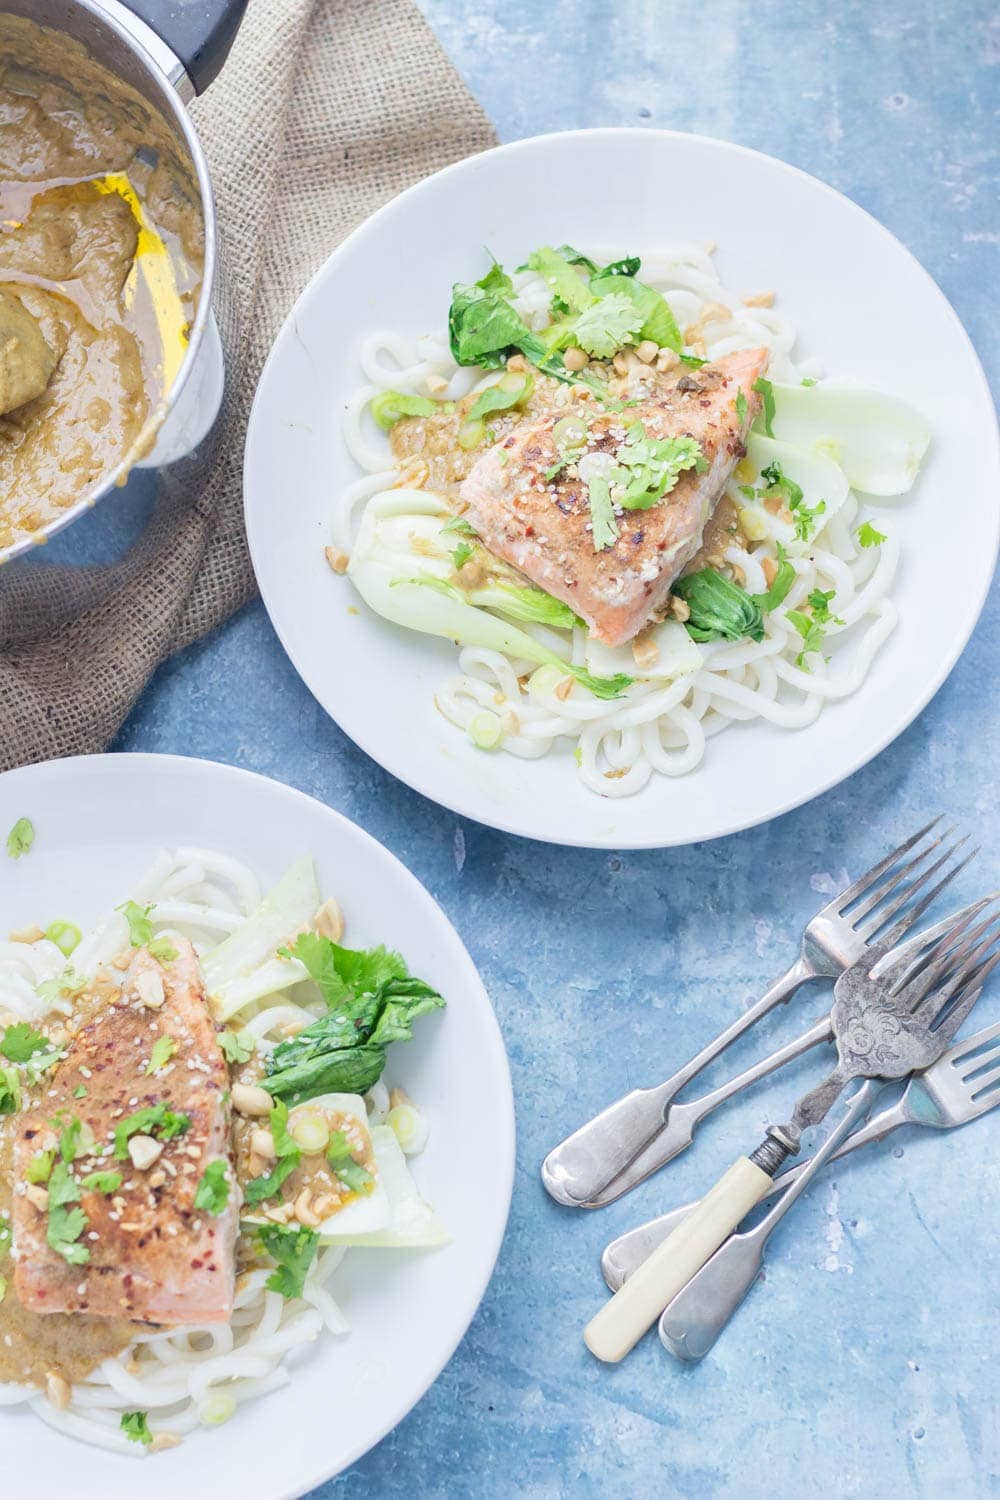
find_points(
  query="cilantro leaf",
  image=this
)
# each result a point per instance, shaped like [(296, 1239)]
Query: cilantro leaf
[(603, 526), (140, 928), (804, 519), (778, 482), (66, 1221), (819, 603), (163, 1050), (656, 321), (652, 467), (355, 1177), (741, 406), (460, 556), (811, 632), (213, 1189), (496, 279), (156, 1119), (162, 949), (237, 1046), (20, 1041), (294, 1250), (869, 537), (102, 1182), (71, 1139), (135, 1426), (607, 324), (460, 524), (20, 838)]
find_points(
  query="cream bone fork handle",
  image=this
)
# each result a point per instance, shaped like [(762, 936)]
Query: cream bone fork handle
[(959, 1087), (592, 1166), (886, 1025), (963, 1084)]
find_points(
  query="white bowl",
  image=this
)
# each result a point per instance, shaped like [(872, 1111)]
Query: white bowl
[(98, 821), (863, 307)]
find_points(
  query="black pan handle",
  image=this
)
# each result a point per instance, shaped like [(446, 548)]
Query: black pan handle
[(199, 32)]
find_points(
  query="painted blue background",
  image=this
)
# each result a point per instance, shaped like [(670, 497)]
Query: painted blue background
[(867, 1363)]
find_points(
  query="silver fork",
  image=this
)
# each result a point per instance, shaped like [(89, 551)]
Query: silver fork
[(625, 1253), (958, 1088), (892, 1017), (645, 1129), (959, 1092)]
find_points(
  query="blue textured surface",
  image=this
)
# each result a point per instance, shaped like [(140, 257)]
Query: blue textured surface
[(866, 1365)]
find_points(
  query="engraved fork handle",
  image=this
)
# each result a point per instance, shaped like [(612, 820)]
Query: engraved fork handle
[(576, 1171), (624, 1254), (699, 1312)]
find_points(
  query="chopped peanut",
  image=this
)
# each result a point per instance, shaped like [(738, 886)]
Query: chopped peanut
[(576, 359), (338, 560)]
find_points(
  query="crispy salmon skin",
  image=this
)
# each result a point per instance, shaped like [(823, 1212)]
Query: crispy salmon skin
[(536, 515), (140, 1094)]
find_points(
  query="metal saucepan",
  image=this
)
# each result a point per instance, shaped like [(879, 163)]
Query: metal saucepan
[(160, 53)]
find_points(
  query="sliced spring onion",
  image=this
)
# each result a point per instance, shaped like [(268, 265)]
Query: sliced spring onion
[(569, 432), (544, 680), (389, 407), (65, 935), (471, 433), (309, 1130), (216, 1408), (485, 730), (409, 1127)]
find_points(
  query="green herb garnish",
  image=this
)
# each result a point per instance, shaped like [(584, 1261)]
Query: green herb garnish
[(156, 1119), (102, 1182), (765, 391), (140, 928), (287, 1153), (213, 1189), (294, 1250), (135, 1426), (869, 537), (237, 1046), (21, 1041), (10, 1091), (163, 1050), (66, 1220)]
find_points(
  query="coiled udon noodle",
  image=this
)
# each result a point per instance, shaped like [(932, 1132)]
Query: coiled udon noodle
[(189, 1377), (655, 727)]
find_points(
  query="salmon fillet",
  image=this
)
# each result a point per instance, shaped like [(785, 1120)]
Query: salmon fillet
[(146, 1251), (543, 526)]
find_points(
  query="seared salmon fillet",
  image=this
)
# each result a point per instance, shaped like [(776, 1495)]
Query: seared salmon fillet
[(140, 1094), (540, 520)]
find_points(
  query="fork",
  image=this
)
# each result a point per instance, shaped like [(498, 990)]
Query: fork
[(959, 1087), (645, 1129), (892, 1016), (937, 1098)]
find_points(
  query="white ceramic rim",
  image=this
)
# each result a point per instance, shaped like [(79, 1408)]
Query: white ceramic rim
[(972, 606)]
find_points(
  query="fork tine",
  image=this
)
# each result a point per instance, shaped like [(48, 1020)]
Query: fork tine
[(903, 972), (972, 972), (863, 882), (892, 937), (978, 1086), (943, 958), (959, 1011), (962, 1050), (883, 887)]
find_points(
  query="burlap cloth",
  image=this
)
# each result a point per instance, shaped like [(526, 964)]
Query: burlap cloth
[(325, 110)]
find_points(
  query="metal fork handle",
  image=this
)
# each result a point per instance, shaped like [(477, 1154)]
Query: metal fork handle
[(624, 1254), (683, 1117), (576, 1171), (696, 1317)]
